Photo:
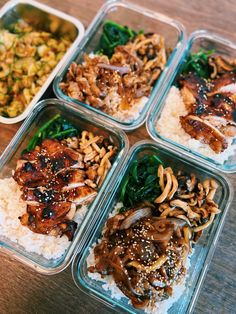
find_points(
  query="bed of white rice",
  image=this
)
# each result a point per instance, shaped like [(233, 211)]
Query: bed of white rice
[(11, 207), (108, 283), (169, 127), (133, 113)]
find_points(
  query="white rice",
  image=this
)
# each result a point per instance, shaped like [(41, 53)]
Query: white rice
[(109, 284), (11, 207), (169, 127), (133, 113)]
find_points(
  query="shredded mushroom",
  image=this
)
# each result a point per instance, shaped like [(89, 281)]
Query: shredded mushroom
[(186, 198)]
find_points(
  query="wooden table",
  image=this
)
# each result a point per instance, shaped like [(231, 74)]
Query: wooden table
[(24, 291)]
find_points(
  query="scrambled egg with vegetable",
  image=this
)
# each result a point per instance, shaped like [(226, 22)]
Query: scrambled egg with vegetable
[(27, 57)]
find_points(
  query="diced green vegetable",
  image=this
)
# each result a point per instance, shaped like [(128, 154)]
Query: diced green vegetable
[(57, 127), (141, 183), (198, 63)]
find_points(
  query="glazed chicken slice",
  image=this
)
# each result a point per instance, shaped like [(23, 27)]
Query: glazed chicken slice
[(42, 195), (38, 167), (68, 179), (201, 100), (226, 80), (69, 185), (220, 113), (221, 105), (193, 90), (53, 219), (212, 109), (204, 132), (81, 195), (61, 156), (30, 175), (226, 127), (65, 159)]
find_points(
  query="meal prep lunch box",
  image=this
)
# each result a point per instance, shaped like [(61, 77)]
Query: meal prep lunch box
[(137, 18), (42, 112), (202, 252), (45, 18), (201, 39)]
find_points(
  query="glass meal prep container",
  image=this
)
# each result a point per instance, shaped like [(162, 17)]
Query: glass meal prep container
[(42, 112), (202, 252), (44, 18), (201, 39), (137, 18)]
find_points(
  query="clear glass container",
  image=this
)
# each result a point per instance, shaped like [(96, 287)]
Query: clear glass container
[(197, 40), (203, 250), (47, 19), (42, 112), (138, 18)]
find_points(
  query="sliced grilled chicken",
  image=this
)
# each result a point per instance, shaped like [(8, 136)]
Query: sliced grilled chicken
[(224, 80), (55, 178), (69, 179), (212, 109), (42, 195), (47, 218), (28, 174), (221, 105), (204, 132), (57, 189), (65, 159), (228, 128), (81, 195), (193, 90)]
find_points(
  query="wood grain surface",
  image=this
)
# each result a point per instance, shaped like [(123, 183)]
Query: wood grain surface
[(24, 291)]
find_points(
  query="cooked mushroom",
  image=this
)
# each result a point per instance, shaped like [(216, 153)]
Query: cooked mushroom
[(166, 190), (220, 65), (183, 217), (186, 196), (166, 211), (193, 202), (148, 269), (204, 226), (160, 174), (178, 203), (206, 186), (174, 187), (202, 211), (191, 183)]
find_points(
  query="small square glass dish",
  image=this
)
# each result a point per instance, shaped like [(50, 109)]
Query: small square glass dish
[(50, 254), (202, 250), (124, 110), (163, 123), (39, 40)]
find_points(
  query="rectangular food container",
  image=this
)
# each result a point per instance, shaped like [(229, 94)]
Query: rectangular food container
[(43, 18), (203, 250), (42, 112), (137, 18), (197, 40)]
